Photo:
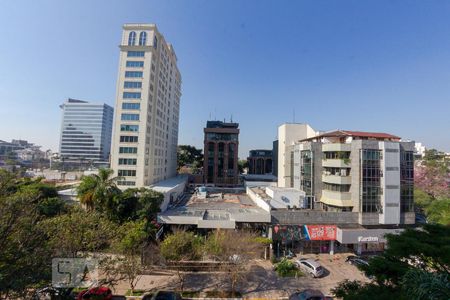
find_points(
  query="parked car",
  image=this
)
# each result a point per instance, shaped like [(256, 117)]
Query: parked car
[(309, 295), (163, 295), (356, 260), (97, 293), (310, 266)]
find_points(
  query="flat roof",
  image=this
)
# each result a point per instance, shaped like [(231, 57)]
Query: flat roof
[(350, 133), (169, 184), (218, 210)]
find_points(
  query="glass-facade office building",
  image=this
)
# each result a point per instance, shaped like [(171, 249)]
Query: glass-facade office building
[(85, 131)]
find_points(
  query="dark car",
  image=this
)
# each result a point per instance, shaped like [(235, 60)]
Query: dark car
[(309, 295), (163, 295), (97, 293), (356, 260)]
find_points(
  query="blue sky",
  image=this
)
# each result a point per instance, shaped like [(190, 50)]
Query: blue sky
[(356, 65)]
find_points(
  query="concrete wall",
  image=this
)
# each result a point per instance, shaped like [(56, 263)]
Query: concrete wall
[(390, 183), (288, 134), (298, 217)]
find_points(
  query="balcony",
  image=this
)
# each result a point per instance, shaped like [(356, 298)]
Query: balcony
[(341, 199), (336, 163), (336, 179), (332, 147)]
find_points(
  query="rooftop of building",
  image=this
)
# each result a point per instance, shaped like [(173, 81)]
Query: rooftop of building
[(169, 184), (217, 210), (356, 134), (220, 124)]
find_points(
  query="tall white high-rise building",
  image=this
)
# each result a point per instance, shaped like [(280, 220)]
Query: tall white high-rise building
[(145, 135)]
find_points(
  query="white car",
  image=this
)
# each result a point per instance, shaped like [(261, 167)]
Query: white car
[(310, 266)]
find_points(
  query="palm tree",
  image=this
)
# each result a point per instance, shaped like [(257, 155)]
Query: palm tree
[(98, 189)]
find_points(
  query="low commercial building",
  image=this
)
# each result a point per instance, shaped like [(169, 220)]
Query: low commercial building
[(209, 209)]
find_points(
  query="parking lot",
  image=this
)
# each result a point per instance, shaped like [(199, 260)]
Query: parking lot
[(262, 281)]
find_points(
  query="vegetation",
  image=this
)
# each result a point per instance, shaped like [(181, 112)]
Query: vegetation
[(242, 165), (189, 156), (286, 268), (432, 191), (35, 225), (415, 266)]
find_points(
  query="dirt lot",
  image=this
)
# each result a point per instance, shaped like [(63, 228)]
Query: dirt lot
[(261, 281)]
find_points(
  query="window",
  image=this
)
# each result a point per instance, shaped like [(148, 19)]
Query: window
[(122, 173), (142, 38), (132, 38), (371, 185), (128, 139), (155, 42), (133, 74), (125, 127), (130, 95), (135, 64), (127, 105), (132, 84), (127, 183), (130, 117), (128, 150), (127, 161), (135, 53)]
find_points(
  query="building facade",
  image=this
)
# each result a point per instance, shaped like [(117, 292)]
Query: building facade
[(350, 171), (85, 132), (221, 153), (145, 139), (260, 162), (288, 134)]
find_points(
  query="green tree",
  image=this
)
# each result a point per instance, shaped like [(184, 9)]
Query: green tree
[(419, 284), (189, 155), (181, 246), (25, 255), (132, 239), (242, 165), (134, 204), (78, 232), (397, 269), (98, 190)]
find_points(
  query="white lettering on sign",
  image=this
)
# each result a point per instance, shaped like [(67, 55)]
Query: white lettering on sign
[(366, 239)]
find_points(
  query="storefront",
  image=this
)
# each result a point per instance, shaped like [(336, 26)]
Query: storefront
[(363, 240), (302, 239)]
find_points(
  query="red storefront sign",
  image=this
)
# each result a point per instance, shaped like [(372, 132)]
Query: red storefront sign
[(320, 232)]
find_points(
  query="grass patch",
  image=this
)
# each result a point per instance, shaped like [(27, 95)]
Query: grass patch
[(222, 294), (190, 294)]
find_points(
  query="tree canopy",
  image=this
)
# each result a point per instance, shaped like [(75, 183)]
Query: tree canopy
[(421, 255)]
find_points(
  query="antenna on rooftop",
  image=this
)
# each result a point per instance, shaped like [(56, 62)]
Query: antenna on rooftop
[(231, 118)]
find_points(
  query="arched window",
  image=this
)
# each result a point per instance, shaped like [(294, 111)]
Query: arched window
[(142, 38), (132, 38)]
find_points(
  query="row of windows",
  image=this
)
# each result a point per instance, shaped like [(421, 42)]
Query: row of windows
[(131, 95), (127, 105), (133, 74), (127, 173), (128, 139), (336, 187), (126, 183), (132, 38), (127, 161), (134, 64), (129, 150), (336, 155), (132, 84), (126, 127), (130, 117), (135, 53)]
